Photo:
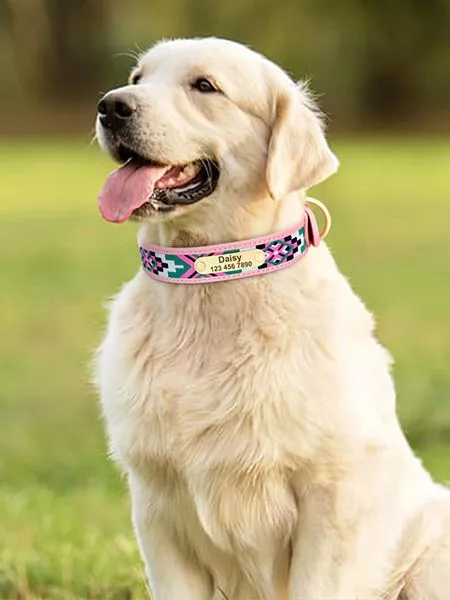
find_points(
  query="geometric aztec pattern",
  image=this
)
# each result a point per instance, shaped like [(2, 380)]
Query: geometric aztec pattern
[(181, 267), (284, 250)]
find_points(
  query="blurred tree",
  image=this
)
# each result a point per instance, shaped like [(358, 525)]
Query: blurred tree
[(81, 35), (374, 61), (31, 41), (401, 37), (60, 46)]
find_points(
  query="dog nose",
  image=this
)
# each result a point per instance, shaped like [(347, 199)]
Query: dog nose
[(115, 109)]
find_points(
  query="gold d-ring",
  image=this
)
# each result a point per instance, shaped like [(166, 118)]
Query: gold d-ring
[(326, 214)]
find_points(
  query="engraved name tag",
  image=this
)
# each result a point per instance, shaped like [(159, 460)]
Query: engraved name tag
[(237, 260)]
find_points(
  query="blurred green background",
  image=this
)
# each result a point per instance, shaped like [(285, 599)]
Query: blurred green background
[(381, 69)]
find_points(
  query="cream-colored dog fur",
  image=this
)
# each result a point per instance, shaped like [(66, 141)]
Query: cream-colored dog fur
[(255, 419)]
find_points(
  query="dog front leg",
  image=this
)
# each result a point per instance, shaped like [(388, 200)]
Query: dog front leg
[(318, 569), (343, 550), (171, 572)]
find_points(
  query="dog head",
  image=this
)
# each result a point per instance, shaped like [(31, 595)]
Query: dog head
[(207, 122)]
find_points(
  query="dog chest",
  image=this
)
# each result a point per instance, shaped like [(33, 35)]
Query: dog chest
[(189, 392)]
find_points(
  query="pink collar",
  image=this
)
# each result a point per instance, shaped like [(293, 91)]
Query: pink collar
[(207, 264)]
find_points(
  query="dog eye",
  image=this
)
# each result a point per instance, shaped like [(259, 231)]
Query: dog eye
[(135, 79), (204, 85)]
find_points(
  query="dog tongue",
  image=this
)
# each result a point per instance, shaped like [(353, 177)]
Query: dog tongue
[(126, 189)]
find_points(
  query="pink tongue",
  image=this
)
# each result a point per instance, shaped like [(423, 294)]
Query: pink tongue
[(126, 189)]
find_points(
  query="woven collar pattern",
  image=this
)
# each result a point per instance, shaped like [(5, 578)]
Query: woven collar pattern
[(247, 258)]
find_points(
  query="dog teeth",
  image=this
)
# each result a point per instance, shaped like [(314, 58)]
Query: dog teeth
[(189, 170), (175, 179)]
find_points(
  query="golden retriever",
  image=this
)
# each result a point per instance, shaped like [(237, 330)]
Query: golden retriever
[(255, 419)]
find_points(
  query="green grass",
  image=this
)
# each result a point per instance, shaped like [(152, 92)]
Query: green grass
[(65, 530)]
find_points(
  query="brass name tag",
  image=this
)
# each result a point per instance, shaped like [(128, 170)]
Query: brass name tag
[(238, 260)]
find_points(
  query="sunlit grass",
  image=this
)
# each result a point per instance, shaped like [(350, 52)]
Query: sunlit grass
[(65, 531)]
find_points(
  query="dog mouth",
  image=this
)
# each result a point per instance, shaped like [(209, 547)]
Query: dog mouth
[(141, 186)]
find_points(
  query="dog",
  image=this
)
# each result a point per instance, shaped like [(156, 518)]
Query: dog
[(254, 418)]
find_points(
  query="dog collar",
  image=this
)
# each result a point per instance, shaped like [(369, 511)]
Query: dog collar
[(206, 264)]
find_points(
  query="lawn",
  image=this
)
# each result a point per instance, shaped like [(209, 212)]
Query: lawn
[(65, 531)]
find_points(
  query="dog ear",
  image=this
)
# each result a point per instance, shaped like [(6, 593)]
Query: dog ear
[(298, 154)]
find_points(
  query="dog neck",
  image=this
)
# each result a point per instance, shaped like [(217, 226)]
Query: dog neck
[(234, 259)]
